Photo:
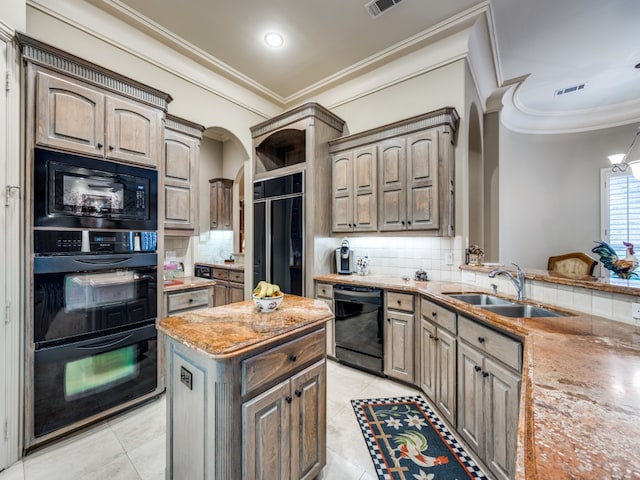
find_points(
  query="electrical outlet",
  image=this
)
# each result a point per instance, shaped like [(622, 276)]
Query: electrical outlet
[(448, 258), (635, 310)]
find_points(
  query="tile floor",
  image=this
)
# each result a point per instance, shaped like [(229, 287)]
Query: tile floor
[(132, 446)]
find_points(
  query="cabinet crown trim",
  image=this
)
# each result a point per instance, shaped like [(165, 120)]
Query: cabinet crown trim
[(184, 126), (307, 110), (40, 53), (447, 116)]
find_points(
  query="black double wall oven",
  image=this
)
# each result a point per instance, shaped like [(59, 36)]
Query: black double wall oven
[(95, 290)]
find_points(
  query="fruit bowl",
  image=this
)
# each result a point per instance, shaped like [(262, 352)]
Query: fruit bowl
[(268, 304)]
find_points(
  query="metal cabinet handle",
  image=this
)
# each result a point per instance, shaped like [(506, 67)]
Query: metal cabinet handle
[(481, 339), (434, 314), (99, 145), (485, 374), (111, 147), (477, 368), (288, 399), (293, 357), (298, 393)]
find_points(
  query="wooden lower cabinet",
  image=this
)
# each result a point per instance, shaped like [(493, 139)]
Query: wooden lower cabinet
[(284, 428), (489, 396), (399, 336), (261, 415), (229, 286), (324, 292)]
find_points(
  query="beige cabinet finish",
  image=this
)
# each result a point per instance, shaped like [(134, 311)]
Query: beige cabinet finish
[(284, 428), (221, 204), (73, 116), (324, 292), (227, 421), (399, 336), (488, 395), (437, 349), (354, 183), (414, 173), (229, 286), (181, 164)]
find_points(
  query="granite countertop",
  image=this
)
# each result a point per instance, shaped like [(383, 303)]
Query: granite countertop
[(580, 397), (186, 283), (228, 266), (237, 328)]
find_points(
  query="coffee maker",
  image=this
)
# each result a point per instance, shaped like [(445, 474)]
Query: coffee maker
[(344, 259)]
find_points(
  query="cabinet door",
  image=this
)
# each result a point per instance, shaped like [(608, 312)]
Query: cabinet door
[(221, 206), (365, 199), (220, 294), (69, 116), (342, 197), (236, 292), (445, 398), (422, 181), (398, 343), (308, 422), (134, 132), (470, 397), (392, 175), (180, 186), (266, 433), (502, 393), (331, 330), (428, 366)]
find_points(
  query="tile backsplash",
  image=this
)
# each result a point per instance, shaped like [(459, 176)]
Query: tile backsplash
[(214, 246)]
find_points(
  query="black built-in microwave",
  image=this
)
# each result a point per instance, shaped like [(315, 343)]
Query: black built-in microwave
[(71, 191)]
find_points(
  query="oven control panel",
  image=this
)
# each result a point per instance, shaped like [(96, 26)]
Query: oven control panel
[(74, 242)]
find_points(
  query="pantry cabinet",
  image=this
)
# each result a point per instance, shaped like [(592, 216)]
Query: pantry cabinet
[(398, 336), (489, 378), (181, 164), (437, 346), (412, 165)]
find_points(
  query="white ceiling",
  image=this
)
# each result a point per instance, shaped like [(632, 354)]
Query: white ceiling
[(553, 44)]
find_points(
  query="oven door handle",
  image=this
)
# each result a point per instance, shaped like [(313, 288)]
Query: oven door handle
[(104, 345), (98, 261)]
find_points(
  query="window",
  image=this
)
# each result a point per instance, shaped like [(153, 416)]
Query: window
[(620, 210)]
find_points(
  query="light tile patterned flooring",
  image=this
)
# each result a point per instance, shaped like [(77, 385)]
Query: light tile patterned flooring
[(132, 446)]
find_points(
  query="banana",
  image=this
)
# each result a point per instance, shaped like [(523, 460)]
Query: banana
[(258, 287), (276, 290), (264, 289), (270, 290)]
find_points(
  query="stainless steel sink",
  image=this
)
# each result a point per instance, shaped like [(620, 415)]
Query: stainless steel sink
[(522, 311), (480, 299)]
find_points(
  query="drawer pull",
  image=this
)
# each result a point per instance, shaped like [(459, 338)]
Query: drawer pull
[(435, 339), (434, 314), (485, 374), (477, 368), (292, 357), (288, 399), (481, 339), (100, 146), (298, 393), (191, 300)]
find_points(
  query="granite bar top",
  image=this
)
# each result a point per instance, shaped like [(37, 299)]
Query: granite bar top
[(186, 283), (604, 284), (234, 329), (580, 397)]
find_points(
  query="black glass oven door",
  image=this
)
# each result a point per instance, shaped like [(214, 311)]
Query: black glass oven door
[(75, 381)]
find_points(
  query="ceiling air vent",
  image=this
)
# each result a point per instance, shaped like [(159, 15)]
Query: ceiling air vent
[(376, 7)]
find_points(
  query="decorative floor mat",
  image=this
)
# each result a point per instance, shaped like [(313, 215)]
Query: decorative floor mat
[(408, 441)]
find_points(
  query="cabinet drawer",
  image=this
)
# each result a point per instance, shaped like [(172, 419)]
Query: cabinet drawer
[(220, 274), (190, 299), (282, 361), (236, 276), (438, 315), (498, 345), (400, 301), (324, 290)]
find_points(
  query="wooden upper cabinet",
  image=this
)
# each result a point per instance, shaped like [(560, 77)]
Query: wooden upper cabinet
[(221, 204), (134, 132), (81, 119), (181, 162), (401, 176), (69, 115)]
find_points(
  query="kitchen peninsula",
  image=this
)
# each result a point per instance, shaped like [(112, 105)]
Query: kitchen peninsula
[(243, 387)]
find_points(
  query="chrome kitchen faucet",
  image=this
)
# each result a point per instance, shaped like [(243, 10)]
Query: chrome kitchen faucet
[(517, 282)]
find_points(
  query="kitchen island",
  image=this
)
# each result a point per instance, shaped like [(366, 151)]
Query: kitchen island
[(579, 414), (243, 388)]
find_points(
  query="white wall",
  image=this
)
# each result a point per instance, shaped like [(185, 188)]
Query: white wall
[(550, 192), (13, 14)]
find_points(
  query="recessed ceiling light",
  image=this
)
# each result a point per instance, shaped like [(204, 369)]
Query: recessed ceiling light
[(273, 39)]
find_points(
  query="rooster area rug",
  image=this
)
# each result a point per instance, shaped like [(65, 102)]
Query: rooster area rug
[(407, 441)]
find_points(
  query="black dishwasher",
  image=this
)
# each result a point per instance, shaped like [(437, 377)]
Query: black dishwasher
[(359, 327)]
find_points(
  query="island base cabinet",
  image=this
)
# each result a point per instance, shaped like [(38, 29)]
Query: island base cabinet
[(284, 429)]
